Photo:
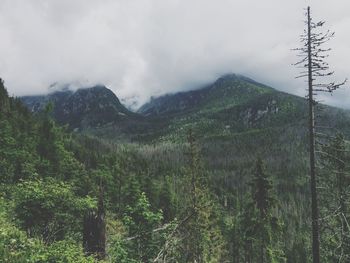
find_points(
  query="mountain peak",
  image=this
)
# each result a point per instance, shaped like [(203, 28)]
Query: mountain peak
[(228, 76), (85, 107), (229, 89)]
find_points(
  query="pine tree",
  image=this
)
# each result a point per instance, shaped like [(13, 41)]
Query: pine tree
[(166, 201), (262, 190), (196, 236), (205, 241), (142, 222), (314, 66), (248, 223), (261, 228), (4, 98), (193, 239), (263, 202), (335, 196)]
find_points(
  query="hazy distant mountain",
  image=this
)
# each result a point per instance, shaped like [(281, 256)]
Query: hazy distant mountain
[(228, 90), (235, 104), (232, 104), (86, 107)]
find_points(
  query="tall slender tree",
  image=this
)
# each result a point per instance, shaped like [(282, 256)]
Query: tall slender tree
[(4, 98), (263, 202), (314, 66), (202, 239), (94, 229)]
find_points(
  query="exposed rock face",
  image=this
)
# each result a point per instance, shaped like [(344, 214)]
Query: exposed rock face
[(252, 115)]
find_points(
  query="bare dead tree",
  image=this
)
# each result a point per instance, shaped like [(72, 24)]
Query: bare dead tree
[(314, 67), (94, 230)]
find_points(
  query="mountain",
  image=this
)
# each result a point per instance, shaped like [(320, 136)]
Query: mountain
[(235, 121), (226, 91), (82, 109), (235, 104), (231, 105)]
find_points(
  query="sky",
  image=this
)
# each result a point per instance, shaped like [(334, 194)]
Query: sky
[(144, 48)]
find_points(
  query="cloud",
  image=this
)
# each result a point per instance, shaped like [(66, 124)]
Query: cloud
[(143, 48)]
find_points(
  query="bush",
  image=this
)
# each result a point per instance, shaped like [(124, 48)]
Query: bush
[(49, 209)]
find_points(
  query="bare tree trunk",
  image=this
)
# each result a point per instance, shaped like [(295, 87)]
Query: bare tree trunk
[(314, 205), (94, 231), (343, 210)]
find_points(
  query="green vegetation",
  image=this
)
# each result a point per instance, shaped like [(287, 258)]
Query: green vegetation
[(184, 185)]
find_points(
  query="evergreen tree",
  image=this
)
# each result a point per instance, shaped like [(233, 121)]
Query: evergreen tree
[(315, 66), (203, 240), (335, 196), (265, 226), (261, 190), (142, 223), (166, 201), (4, 98)]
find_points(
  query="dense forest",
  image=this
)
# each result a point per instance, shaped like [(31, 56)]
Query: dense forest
[(231, 171), (70, 197)]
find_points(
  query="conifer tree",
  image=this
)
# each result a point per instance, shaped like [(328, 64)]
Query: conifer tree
[(4, 99), (261, 229), (142, 223), (194, 172), (263, 202), (204, 235), (196, 237), (314, 66), (94, 230), (335, 196), (262, 190)]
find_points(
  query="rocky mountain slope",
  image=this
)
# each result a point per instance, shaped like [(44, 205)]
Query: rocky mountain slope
[(84, 108)]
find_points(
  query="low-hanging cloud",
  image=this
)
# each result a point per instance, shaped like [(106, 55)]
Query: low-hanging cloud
[(143, 48)]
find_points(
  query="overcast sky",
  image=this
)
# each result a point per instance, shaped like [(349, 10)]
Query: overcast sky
[(143, 48)]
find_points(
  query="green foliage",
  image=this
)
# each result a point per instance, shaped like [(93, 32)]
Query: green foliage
[(61, 251), (170, 205), (49, 208), (4, 99), (261, 187), (260, 228), (335, 200), (16, 247), (200, 233), (14, 244), (119, 252), (142, 222)]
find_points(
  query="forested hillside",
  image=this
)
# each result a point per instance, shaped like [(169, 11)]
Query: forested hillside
[(213, 175)]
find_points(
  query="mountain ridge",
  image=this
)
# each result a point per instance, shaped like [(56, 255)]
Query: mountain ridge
[(230, 105), (197, 97), (85, 107)]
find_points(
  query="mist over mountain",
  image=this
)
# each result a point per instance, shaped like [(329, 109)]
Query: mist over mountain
[(154, 48), (81, 108), (233, 103)]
